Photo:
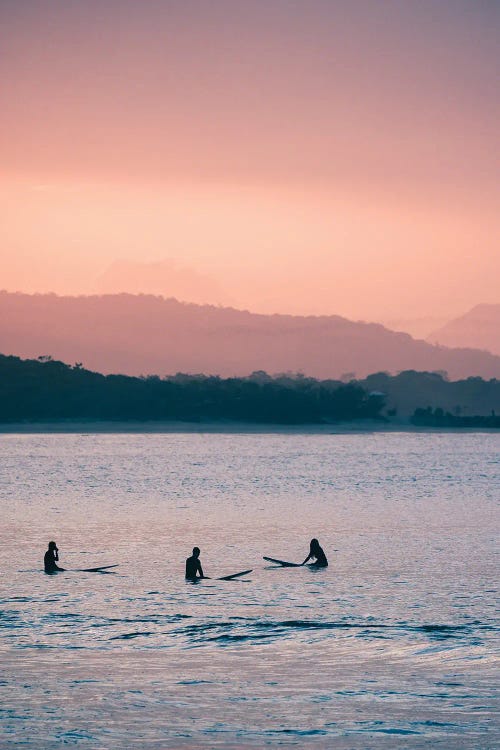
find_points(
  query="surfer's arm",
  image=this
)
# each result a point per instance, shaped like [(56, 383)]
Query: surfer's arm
[(307, 558), (200, 571)]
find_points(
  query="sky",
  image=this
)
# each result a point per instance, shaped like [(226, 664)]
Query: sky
[(300, 156)]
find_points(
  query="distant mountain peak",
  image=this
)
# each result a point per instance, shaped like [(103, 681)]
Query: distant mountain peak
[(478, 328)]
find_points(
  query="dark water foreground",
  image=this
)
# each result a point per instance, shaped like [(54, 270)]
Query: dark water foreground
[(392, 646)]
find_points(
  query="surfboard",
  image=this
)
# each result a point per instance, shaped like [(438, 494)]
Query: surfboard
[(99, 569), (235, 575), (283, 563)]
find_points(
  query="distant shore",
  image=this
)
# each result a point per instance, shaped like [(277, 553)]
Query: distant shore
[(222, 427)]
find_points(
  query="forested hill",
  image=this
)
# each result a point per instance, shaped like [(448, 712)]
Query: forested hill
[(36, 390), (141, 334), (48, 390)]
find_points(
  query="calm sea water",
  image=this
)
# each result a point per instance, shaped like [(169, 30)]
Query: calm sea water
[(392, 646)]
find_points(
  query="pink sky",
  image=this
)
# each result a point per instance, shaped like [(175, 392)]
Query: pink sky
[(309, 156)]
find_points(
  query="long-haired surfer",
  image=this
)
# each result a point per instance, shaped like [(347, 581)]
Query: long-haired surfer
[(316, 553)]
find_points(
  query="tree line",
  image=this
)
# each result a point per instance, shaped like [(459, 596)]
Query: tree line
[(430, 417), (46, 389)]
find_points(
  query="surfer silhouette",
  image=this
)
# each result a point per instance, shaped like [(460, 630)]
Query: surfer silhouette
[(316, 553), (50, 559), (193, 566)]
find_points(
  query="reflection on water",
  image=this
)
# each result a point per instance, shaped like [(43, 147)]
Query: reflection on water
[(391, 646)]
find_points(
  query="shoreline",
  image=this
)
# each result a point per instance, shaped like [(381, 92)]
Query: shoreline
[(168, 427)]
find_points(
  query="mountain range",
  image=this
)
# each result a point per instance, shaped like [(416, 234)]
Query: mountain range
[(145, 334)]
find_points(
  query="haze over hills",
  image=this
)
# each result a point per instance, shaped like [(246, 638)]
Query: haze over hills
[(418, 328), (144, 334), (478, 328), (165, 277)]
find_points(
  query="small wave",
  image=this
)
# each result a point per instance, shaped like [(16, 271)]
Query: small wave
[(241, 630), (10, 619), (128, 636), (152, 620), (194, 682), (301, 732), (233, 638)]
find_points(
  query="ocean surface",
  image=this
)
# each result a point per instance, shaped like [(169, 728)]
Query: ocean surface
[(394, 645)]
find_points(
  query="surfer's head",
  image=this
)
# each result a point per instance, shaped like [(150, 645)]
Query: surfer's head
[(314, 546), (196, 551), (52, 546)]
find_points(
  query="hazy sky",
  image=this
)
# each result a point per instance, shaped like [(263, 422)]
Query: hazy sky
[(314, 156)]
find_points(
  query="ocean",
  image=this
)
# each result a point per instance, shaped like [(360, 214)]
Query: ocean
[(394, 645)]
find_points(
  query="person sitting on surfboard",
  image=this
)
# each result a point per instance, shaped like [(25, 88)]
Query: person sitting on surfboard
[(316, 552), (193, 565), (50, 559)]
